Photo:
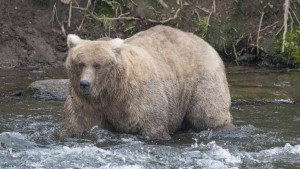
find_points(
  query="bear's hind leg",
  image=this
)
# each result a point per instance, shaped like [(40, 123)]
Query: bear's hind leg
[(210, 106)]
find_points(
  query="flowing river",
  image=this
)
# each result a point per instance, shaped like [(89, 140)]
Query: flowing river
[(265, 109)]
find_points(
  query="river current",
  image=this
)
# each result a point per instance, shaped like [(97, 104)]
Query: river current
[(267, 133)]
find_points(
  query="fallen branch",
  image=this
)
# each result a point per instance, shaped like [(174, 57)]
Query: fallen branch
[(167, 20), (112, 19), (122, 17), (195, 11), (162, 3), (88, 4), (212, 10), (65, 1), (292, 20), (76, 3), (106, 18), (235, 54), (266, 27), (203, 9), (295, 15), (279, 30), (124, 14), (224, 46), (81, 23), (250, 38), (54, 15), (63, 31)]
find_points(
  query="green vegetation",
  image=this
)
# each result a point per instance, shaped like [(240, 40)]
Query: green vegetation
[(292, 45), (31, 91), (265, 95), (103, 10), (231, 35), (256, 94), (291, 48), (241, 30), (130, 29), (109, 8), (237, 8), (201, 26), (225, 37)]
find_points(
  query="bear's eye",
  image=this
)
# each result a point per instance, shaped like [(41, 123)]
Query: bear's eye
[(97, 65), (81, 65)]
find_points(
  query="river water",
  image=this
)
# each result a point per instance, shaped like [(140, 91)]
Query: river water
[(265, 109)]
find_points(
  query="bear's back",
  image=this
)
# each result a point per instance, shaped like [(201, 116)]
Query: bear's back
[(172, 50)]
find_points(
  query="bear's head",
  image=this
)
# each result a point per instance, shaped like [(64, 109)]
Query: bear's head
[(94, 67)]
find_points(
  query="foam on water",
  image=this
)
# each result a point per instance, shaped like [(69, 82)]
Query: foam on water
[(136, 154), (15, 141), (286, 154), (283, 101)]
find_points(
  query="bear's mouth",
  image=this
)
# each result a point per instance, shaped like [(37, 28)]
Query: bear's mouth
[(84, 91)]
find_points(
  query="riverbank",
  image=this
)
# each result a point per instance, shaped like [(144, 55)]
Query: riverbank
[(33, 32)]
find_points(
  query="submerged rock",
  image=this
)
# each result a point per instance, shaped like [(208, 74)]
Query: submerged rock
[(52, 89)]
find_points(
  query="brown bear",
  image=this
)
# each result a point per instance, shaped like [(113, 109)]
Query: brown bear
[(155, 83)]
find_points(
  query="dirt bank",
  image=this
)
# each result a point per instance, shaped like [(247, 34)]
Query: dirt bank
[(27, 37), (33, 31)]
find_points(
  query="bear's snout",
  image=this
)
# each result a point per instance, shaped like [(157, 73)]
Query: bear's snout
[(84, 85)]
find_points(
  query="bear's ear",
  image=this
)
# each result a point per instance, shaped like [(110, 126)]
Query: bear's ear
[(72, 40), (117, 45)]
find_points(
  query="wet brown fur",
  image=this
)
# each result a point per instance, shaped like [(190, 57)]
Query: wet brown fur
[(158, 82)]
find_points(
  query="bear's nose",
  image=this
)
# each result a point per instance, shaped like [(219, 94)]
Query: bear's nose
[(84, 84)]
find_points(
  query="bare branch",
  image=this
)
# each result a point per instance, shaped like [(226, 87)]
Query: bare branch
[(235, 54), (70, 15), (203, 9), (133, 3), (285, 19), (210, 14), (214, 6), (292, 20), (250, 38), (63, 30), (295, 15), (65, 1), (258, 32), (81, 24), (195, 11)]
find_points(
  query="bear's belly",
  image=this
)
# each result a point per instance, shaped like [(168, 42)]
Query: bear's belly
[(121, 121)]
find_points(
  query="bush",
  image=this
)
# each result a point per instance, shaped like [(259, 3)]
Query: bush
[(291, 48)]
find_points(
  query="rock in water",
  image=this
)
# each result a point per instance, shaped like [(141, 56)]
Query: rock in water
[(51, 89)]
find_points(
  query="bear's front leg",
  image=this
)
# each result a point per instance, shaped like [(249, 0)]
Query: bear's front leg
[(76, 119), (155, 126), (156, 133)]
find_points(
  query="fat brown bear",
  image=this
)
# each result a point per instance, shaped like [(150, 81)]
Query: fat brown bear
[(155, 83)]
